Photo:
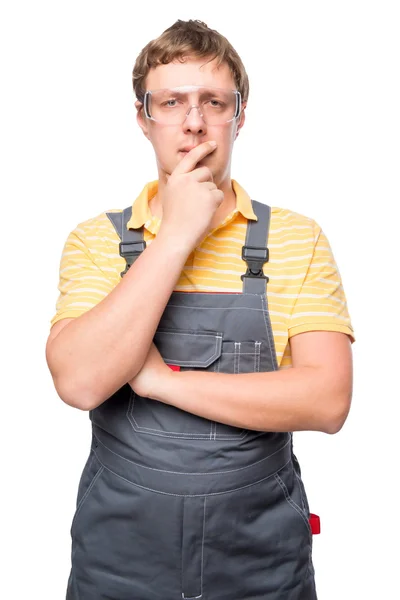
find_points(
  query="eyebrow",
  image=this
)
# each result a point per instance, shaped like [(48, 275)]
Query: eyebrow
[(204, 94)]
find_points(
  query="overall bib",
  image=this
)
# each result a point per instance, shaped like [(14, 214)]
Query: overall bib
[(172, 506)]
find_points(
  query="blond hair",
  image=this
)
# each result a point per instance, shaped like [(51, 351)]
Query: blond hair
[(188, 39)]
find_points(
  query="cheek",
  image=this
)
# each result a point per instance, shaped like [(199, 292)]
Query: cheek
[(164, 145)]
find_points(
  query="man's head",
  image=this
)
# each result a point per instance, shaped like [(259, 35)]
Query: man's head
[(205, 74)]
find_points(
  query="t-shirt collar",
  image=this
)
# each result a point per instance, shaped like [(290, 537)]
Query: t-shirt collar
[(141, 213)]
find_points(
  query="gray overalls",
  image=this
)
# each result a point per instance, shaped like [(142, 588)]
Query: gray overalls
[(172, 506)]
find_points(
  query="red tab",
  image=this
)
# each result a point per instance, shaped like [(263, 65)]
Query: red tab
[(315, 524), (174, 367)]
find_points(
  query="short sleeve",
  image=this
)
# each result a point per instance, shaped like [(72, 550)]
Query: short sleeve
[(321, 304), (82, 283)]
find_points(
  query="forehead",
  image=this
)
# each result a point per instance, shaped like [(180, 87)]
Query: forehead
[(193, 71)]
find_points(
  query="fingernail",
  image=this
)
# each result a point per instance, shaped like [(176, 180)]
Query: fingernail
[(213, 144)]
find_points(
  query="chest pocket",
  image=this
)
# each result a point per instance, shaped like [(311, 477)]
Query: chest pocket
[(192, 350)]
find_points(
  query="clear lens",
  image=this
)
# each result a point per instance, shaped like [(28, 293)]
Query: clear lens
[(172, 106)]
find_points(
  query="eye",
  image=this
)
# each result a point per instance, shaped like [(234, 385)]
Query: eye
[(216, 103), (170, 103)]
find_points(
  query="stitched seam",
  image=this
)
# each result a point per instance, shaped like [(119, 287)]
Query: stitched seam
[(85, 495), (301, 490), (236, 358), (202, 559), (185, 473), (258, 350), (298, 509), (167, 434), (266, 316), (291, 502), (202, 546), (197, 363), (197, 495), (242, 353)]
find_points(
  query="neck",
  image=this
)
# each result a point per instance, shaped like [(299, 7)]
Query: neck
[(227, 206)]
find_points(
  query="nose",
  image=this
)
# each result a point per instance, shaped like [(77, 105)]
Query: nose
[(194, 122)]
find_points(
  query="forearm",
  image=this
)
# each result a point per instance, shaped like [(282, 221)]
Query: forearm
[(296, 399), (98, 352)]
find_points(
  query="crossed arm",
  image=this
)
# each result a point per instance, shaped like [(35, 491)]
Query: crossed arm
[(315, 394)]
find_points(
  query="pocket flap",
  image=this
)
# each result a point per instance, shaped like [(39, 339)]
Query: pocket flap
[(188, 348)]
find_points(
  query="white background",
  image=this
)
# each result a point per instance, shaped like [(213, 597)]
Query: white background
[(321, 138)]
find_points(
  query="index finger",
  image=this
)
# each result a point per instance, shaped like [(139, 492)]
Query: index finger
[(191, 159)]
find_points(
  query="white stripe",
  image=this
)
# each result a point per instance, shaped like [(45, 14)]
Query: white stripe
[(290, 215), (279, 314), (325, 264), (290, 242), (221, 271), (274, 230), (70, 252), (220, 254), (301, 296), (79, 290), (115, 240), (76, 266), (318, 314), (112, 256), (270, 245), (211, 288), (94, 277), (283, 260), (91, 304), (293, 258), (330, 281)]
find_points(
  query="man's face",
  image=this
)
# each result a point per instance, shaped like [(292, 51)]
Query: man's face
[(168, 140)]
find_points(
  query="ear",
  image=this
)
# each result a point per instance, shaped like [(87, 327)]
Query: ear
[(241, 119), (140, 118)]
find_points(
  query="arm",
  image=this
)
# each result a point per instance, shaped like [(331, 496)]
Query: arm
[(315, 394), (93, 355)]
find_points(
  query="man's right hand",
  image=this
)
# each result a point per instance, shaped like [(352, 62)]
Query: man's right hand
[(190, 199)]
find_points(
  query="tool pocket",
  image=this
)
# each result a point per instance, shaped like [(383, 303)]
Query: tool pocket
[(190, 350), (237, 357), (240, 357)]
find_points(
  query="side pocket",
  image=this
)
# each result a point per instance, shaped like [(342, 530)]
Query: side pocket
[(294, 493), (90, 474), (299, 526)]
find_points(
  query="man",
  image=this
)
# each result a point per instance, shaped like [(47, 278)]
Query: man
[(176, 325)]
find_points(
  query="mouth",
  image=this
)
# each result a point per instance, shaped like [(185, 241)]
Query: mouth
[(186, 149)]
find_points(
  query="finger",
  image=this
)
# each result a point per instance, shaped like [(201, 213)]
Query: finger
[(202, 174), (210, 185), (191, 159)]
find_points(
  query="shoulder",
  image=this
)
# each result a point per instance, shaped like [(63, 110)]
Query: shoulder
[(96, 228), (288, 223), (98, 222)]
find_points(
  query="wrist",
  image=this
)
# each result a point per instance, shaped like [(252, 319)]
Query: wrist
[(174, 242), (163, 387)]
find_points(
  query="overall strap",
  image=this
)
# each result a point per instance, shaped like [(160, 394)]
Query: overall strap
[(255, 252), (132, 243)]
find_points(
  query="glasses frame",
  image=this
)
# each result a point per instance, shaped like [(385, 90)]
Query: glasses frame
[(147, 96)]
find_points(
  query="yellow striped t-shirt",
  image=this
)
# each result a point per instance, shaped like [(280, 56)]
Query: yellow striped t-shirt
[(305, 291)]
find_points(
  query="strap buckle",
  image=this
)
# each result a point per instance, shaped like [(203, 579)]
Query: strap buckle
[(255, 258), (130, 251)]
